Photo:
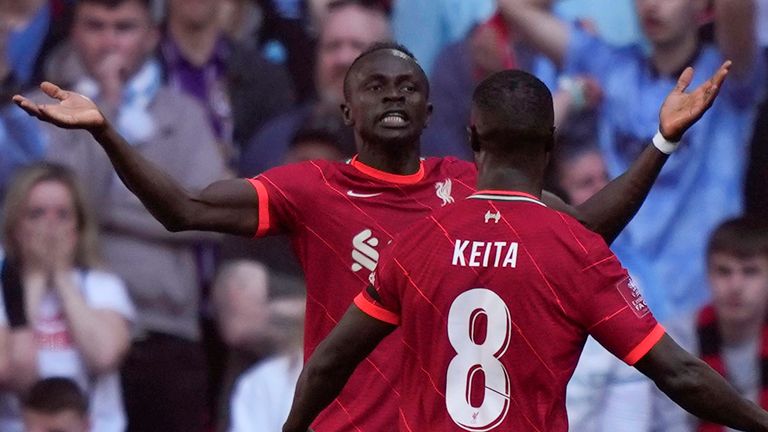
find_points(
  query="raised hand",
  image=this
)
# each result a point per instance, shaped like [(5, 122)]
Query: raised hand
[(681, 110), (74, 111)]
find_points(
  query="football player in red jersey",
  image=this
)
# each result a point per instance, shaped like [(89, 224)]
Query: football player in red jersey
[(339, 215), (494, 298)]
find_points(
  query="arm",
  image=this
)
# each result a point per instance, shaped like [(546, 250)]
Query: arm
[(698, 389), (19, 355), (532, 20), (228, 206), (331, 365), (611, 209), (102, 336), (735, 33)]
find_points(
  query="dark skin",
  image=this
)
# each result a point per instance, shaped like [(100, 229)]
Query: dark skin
[(683, 377), (231, 206)]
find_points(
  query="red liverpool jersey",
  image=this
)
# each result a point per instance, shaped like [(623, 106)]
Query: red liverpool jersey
[(339, 216), (495, 297)]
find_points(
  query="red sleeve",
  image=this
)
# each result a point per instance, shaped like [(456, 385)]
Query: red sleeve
[(382, 299), (613, 309), (282, 193)]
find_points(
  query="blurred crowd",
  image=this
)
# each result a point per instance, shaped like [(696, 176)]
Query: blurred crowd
[(109, 323)]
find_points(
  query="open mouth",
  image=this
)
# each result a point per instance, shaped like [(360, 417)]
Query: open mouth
[(394, 119)]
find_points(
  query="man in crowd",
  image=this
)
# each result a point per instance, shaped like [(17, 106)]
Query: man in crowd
[(56, 405)]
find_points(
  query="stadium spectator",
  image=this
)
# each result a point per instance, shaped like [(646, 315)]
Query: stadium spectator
[(730, 333), (60, 315), (56, 405), (493, 341), (113, 42), (238, 87), (263, 394), (491, 47), (35, 28), (428, 26), (348, 29), (703, 185), (328, 208), (756, 193)]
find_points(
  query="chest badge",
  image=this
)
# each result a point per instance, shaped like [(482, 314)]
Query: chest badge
[(443, 191)]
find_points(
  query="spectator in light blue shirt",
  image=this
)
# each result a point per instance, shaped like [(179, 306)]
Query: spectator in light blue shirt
[(702, 184)]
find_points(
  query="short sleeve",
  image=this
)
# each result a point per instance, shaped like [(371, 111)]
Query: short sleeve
[(106, 291), (382, 298), (613, 310), (282, 191)]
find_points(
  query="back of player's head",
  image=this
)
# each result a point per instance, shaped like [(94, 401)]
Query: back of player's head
[(56, 395), (395, 49), (516, 113), (742, 237)]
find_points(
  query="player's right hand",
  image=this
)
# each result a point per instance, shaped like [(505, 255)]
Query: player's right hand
[(74, 111)]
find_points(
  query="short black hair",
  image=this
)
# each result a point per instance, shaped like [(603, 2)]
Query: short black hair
[(55, 395), (376, 47), (743, 237), (516, 107)]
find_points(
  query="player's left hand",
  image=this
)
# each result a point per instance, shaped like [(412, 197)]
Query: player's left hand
[(681, 110)]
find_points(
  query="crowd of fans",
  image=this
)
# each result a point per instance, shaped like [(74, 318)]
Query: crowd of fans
[(108, 322)]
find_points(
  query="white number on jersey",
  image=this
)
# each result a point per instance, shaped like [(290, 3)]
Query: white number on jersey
[(473, 358)]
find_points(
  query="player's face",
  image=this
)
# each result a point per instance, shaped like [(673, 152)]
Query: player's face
[(739, 286), (666, 22), (388, 99), (104, 37), (583, 176), (346, 33), (65, 421)]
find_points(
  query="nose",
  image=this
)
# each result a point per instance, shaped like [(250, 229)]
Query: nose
[(392, 93)]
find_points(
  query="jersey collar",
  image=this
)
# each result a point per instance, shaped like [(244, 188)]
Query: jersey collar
[(505, 195), (389, 177)]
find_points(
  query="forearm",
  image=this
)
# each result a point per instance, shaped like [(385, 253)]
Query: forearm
[(538, 26), (163, 196), (317, 387), (611, 209), (101, 338), (704, 393)]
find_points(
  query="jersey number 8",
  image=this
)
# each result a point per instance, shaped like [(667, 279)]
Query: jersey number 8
[(473, 360)]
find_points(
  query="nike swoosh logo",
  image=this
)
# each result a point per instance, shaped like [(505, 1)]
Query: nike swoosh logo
[(359, 195)]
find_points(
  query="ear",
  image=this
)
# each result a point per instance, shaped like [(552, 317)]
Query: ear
[(474, 139), (430, 109), (346, 114)]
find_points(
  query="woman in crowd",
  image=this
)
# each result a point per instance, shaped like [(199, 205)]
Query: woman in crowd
[(60, 315)]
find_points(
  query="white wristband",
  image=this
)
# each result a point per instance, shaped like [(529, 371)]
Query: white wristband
[(664, 146)]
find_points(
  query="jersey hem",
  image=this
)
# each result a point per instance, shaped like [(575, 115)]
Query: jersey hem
[(376, 311), (645, 345), (263, 197)]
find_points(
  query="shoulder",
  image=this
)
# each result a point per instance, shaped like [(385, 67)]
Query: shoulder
[(106, 290), (450, 166)]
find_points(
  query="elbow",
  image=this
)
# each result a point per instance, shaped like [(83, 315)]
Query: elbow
[(106, 361)]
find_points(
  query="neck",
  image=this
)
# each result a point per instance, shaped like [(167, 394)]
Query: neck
[(671, 57), (738, 333), (393, 159), (521, 174), (196, 42)]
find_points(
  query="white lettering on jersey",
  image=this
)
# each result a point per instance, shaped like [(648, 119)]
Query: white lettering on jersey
[(494, 254), (443, 191), (363, 252)]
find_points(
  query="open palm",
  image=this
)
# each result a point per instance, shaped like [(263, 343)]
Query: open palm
[(681, 110), (74, 111)]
